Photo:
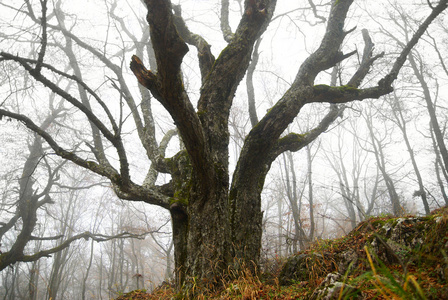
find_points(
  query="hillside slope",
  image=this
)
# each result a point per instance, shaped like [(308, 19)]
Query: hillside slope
[(383, 258)]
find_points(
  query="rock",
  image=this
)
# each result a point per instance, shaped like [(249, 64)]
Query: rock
[(347, 260), (332, 287), (294, 270), (306, 267), (389, 241), (396, 240)]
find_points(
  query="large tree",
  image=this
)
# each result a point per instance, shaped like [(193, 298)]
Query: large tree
[(216, 219)]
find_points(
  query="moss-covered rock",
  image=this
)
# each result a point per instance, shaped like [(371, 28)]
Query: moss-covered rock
[(401, 243), (306, 267)]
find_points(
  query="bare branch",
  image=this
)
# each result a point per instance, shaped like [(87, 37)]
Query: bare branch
[(205, 56), (41, 55), (366, 61), (313, 7), (90, 165), (48, 83), (5, 260), (294, 142), (386, 82), (328, 53), (46, 238), (225, 26), (250, 85)]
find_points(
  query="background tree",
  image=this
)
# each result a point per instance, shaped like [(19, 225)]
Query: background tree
[(398, 114), (422, 76), (28, 201), (378, 144)]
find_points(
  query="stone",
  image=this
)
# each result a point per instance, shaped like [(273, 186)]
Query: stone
[(332, 287)]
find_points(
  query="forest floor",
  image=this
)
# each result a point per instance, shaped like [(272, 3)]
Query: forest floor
[(417, 272)]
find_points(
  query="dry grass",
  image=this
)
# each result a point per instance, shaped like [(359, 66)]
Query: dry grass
[(423, 276)]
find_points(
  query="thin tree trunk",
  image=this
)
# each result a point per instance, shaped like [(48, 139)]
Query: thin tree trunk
[(100, 287), (55, 276), (310, 193), (169, 268), (401, 122), (33, 282), (438, 165), (87, 271), (432, 112), (295, 202), (279, 227), (379, 156)]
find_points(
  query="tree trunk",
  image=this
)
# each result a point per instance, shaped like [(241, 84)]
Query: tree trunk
[(381, 163), (199, 224), (279, 246), (86, 274), (397, 111), (310, 192), (439, 167), (200, 235), (295, 202), (55, 278), (432, 112), (33, 281)]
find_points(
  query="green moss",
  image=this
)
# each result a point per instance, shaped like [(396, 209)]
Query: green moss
[(201, 113), (181, 171), (296, 137), (116, 179), (378, 223), (300, 137), (91, 164), (347, 88), (181, 192), (178, 199), (323, 88), (180, 158), (269, 110)]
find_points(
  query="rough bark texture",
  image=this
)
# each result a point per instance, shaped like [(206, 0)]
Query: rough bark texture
[(200, 206)]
